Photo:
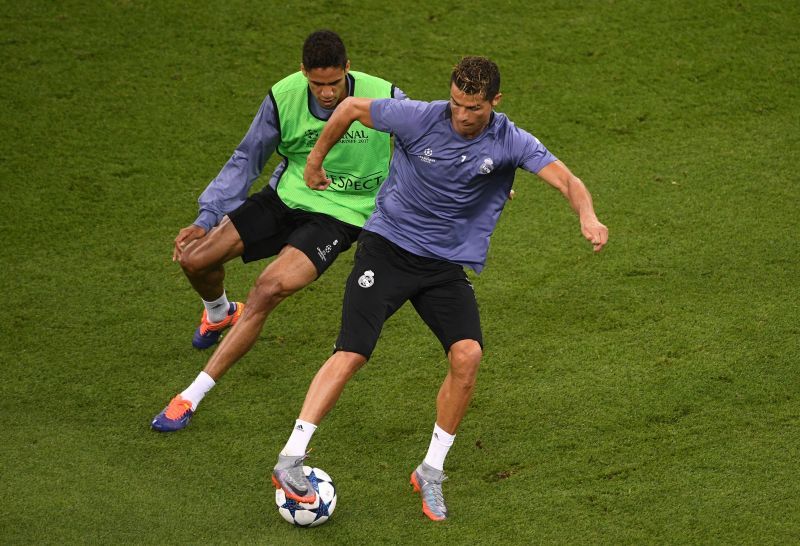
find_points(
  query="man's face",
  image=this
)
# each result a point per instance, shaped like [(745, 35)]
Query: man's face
[(328, 85), (470, 113)]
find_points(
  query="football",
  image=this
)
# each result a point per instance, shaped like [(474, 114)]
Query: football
[(309, 515)]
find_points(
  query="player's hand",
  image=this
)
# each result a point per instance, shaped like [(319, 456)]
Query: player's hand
[(315, 177), (595, 232), (186, 236)]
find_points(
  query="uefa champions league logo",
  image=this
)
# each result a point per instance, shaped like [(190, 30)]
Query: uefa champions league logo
[(323, 252), (367, 279), (310, 137), (426, 156)]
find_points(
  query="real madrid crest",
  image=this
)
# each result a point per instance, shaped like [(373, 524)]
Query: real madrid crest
[(367, 279), (487, 166)]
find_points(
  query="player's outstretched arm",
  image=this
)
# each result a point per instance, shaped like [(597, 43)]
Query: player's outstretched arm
[(560, 177), (349, 110)]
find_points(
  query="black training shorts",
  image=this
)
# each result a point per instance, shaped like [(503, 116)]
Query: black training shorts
[(266, 225), (385, 276)]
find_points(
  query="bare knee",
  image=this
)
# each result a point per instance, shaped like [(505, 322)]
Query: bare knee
[(211, 252), (340, 367), (195, 263), (465, 358), (267, 293), (465, 353), (345, 363)]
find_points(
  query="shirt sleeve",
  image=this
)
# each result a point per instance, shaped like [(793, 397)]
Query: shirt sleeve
[(401, 117), (231, 186), (534, 156)]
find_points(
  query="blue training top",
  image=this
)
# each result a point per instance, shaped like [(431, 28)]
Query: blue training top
[(444, 193)]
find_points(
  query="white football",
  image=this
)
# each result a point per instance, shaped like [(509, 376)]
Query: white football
[(309, 515)]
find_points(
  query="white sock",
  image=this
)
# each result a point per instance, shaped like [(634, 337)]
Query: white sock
[(301, 436), (440, 445), (198, 389), (218, 309)]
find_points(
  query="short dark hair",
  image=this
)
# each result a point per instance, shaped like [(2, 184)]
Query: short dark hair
[(323, 49), (477, 75)]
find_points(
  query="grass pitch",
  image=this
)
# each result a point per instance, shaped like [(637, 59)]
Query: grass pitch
[(648, 394)]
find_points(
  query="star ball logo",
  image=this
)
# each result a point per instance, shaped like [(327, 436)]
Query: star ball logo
[(323, 252), (310, 137), (426, 156)]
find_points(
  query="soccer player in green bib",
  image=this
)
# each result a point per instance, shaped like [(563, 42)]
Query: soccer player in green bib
[(306, 230)]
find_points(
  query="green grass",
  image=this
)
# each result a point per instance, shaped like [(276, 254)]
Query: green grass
[(648, 394)]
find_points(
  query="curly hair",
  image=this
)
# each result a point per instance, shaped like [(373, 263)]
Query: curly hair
[(323, 49), (477, 75)]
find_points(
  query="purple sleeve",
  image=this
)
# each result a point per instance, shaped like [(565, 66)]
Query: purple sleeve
[(533, 155), (231, 186), (401, 117)]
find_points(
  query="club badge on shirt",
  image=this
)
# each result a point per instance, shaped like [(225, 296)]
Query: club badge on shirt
[(487, 166)]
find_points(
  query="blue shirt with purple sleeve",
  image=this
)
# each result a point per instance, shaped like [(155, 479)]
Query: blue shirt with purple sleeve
[(232, 185), (444, 193)]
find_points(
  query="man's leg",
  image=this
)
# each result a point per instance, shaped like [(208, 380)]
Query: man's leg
[(288, 273), (291, 271), (203, 262), (456, 390), (374, 290), (328, 384), (378, 285), (451, 405), (322, 395), (449, 308)]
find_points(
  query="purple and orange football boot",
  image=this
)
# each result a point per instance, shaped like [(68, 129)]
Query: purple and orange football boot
[(208, 333), (174, 417)]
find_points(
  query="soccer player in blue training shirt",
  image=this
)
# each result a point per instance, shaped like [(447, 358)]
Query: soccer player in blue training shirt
[(450, 176), (304, 229)]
